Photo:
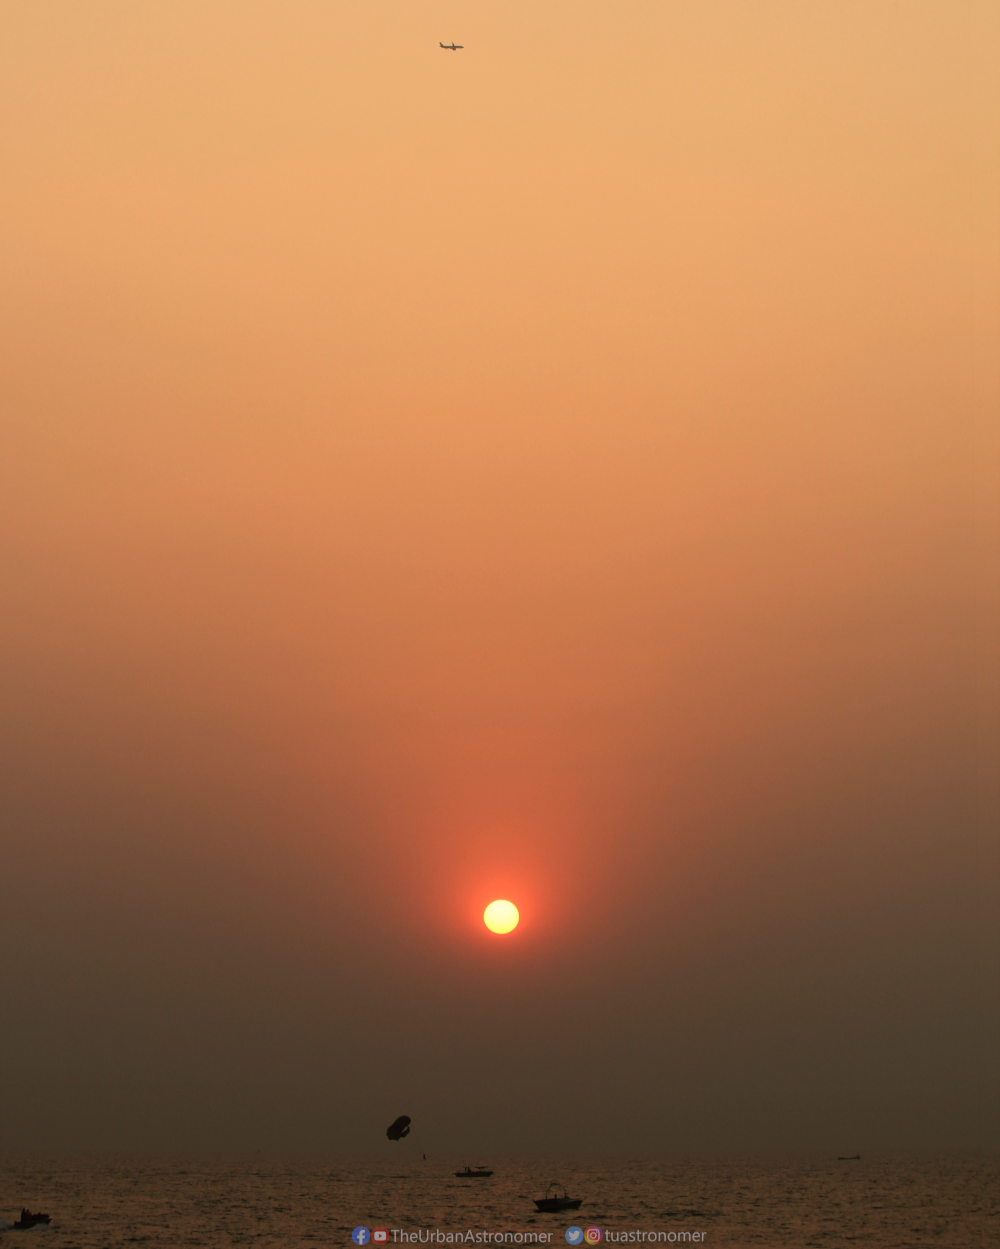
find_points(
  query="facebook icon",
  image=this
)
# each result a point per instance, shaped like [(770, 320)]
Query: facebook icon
[(361, 1235)]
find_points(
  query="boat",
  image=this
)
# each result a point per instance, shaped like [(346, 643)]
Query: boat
[(28, 1219), (474, 1173), (850, 1158), (552, 1202)]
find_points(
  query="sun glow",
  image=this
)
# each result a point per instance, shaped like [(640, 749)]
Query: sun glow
[(501, 916)]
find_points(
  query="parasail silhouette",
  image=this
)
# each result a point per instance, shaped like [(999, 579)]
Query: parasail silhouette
[(400, 1128)]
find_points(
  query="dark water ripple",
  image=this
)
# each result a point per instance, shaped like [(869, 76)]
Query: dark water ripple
[(883, 1201)]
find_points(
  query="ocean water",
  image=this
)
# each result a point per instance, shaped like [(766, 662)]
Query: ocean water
[(884, 1200)]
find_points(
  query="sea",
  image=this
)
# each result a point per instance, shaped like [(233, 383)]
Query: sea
[(878, 1200)]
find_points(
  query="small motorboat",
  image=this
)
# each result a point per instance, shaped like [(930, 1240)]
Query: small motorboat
[(28, 1219), (555, 1199), (474, 1173), (849, 1158)]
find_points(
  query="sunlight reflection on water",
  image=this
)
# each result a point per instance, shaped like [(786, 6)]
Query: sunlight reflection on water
[(884, 1200)]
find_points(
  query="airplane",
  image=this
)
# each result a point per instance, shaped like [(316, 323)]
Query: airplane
[(452, 47)]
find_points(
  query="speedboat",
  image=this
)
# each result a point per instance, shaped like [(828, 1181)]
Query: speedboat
[(554, 1201), (28, 1219), (474, 1173)]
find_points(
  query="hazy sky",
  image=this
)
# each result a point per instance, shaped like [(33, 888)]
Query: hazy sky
[(562, 470)]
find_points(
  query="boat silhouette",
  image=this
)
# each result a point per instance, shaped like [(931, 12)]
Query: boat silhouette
[(474, 1173), (28, 1220), (552, 1202)]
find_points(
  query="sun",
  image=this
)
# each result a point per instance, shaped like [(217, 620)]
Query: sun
[(501, 916)]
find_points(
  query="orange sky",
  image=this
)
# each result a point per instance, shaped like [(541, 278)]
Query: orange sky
[(560, 470)]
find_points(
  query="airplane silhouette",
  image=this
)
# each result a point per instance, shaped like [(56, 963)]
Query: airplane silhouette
[(452, 47)]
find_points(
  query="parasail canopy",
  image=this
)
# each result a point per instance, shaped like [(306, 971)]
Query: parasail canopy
[(400, 1128)]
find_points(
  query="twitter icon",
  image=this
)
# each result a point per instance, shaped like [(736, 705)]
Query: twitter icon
[(574, 1235)]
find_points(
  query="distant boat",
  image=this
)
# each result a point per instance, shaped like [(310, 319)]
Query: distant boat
[(474, 1173), (28, 1219), (552, 1202), (852, 1158)]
